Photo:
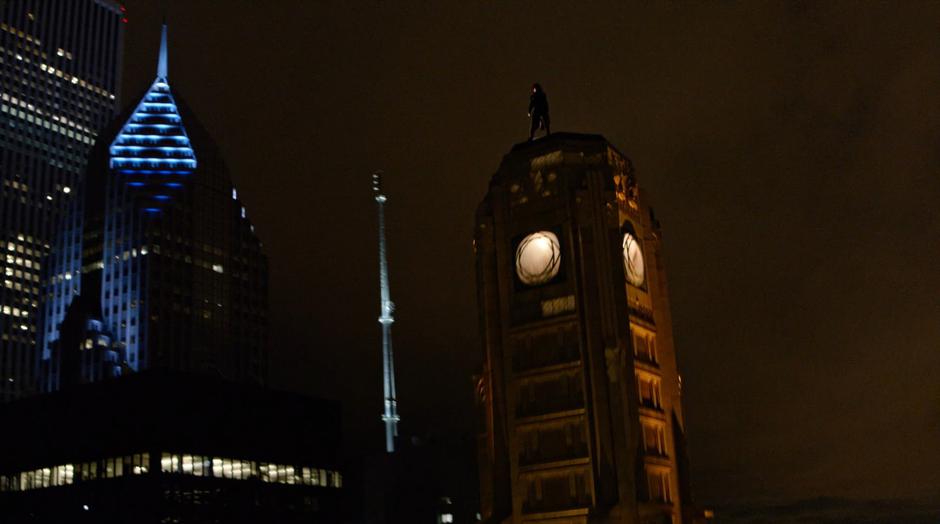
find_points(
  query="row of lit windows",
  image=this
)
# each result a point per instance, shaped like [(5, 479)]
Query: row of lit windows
[(42, 122), (208, 248), (25, 188), (19, 339), (13, 246), (132, 253), (20, 261), (63, 156), (19, 32), (204, 466), (67, 474), (196, 465), (57, 118), (25, 200), (9, 284), (16, 185), (19, 300), (16, 273), (15, 311), (57, 123), (76, 162), (21, 327), (37, 206), (102, 340), (59, 73)]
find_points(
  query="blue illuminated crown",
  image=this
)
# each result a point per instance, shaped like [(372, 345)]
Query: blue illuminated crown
[(152, 148)]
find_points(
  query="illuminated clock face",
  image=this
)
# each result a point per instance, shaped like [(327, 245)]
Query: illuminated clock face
[(538, 258), (633, 260)]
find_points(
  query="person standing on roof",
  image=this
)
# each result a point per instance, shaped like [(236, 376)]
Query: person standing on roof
[(538, 111)]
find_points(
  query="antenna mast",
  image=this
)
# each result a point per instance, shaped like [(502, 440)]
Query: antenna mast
[(390, 416)]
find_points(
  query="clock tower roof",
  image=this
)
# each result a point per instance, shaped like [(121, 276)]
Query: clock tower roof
[(553, 140)]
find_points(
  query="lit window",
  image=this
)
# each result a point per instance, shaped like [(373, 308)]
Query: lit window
[(644, 346), (654, 438), (218, 268), (649, 389), (447, 518), (169, 463), (659, 486)]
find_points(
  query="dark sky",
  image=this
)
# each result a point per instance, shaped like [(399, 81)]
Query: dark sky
[(792, 151)]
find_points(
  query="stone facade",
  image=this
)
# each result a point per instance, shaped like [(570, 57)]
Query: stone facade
[(579, 393)]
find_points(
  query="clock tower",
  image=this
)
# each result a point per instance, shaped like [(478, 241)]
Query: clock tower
[(580, 397)]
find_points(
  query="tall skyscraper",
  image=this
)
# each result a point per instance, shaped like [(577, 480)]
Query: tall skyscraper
[(390, 414), (171, 291), (169, 271), (580, 393), (60, 75)]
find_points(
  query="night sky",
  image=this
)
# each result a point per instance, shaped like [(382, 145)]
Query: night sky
[(792, 152)]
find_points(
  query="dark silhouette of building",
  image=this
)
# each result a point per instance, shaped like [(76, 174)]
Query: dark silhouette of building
[(580, 396), (426, 480), (60, 77), (169, 270), (160, 446)]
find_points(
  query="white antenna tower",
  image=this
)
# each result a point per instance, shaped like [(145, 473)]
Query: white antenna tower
[(390, 416)]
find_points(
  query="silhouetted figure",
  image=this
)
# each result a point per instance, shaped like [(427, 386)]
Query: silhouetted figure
[(538, 111)]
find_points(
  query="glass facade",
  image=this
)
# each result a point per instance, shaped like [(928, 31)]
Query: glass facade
[(59, 80), (170, 268)]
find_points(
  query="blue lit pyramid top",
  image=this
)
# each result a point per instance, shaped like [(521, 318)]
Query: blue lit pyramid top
[(153, 148)]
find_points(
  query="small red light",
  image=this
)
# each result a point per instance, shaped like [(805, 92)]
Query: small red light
[(124, 20), (123, 9)]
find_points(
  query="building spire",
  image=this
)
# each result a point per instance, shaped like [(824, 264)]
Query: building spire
[(390, 415), (161, 63)]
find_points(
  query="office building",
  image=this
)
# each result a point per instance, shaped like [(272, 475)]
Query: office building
[(169, 271), (60, 76), (163, 446), (154, 334)]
